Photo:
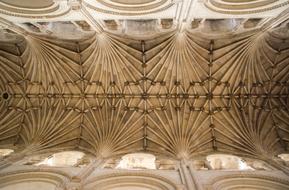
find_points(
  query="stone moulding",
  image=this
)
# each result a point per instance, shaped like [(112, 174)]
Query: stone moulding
[(133, 178), (212, 5), (52, 176), (238, 180)]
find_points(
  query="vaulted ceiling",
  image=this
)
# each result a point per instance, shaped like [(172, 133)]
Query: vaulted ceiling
[(179, 93)]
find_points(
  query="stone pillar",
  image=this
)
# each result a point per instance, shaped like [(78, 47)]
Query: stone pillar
[(192, 172), (89, 168), (77, 180), (188, 177)]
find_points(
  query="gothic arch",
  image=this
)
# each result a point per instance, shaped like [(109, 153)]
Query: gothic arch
[(248, 181), (45, 179), (128, 179)]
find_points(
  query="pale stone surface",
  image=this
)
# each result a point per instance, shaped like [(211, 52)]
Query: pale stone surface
[(129, 188), (29, 186)]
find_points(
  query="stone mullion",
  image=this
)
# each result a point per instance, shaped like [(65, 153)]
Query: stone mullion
[(187, 175), (77, 181)]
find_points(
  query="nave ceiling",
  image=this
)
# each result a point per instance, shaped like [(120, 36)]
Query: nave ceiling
[(210, 86)]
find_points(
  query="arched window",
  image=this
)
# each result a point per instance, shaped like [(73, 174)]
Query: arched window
[(284, 157), (227, 162), (67, 158), (5, 152), (137, 161)]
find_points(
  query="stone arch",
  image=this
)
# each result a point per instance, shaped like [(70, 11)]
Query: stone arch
[(33, 179), (126, 180), (249, 182)]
